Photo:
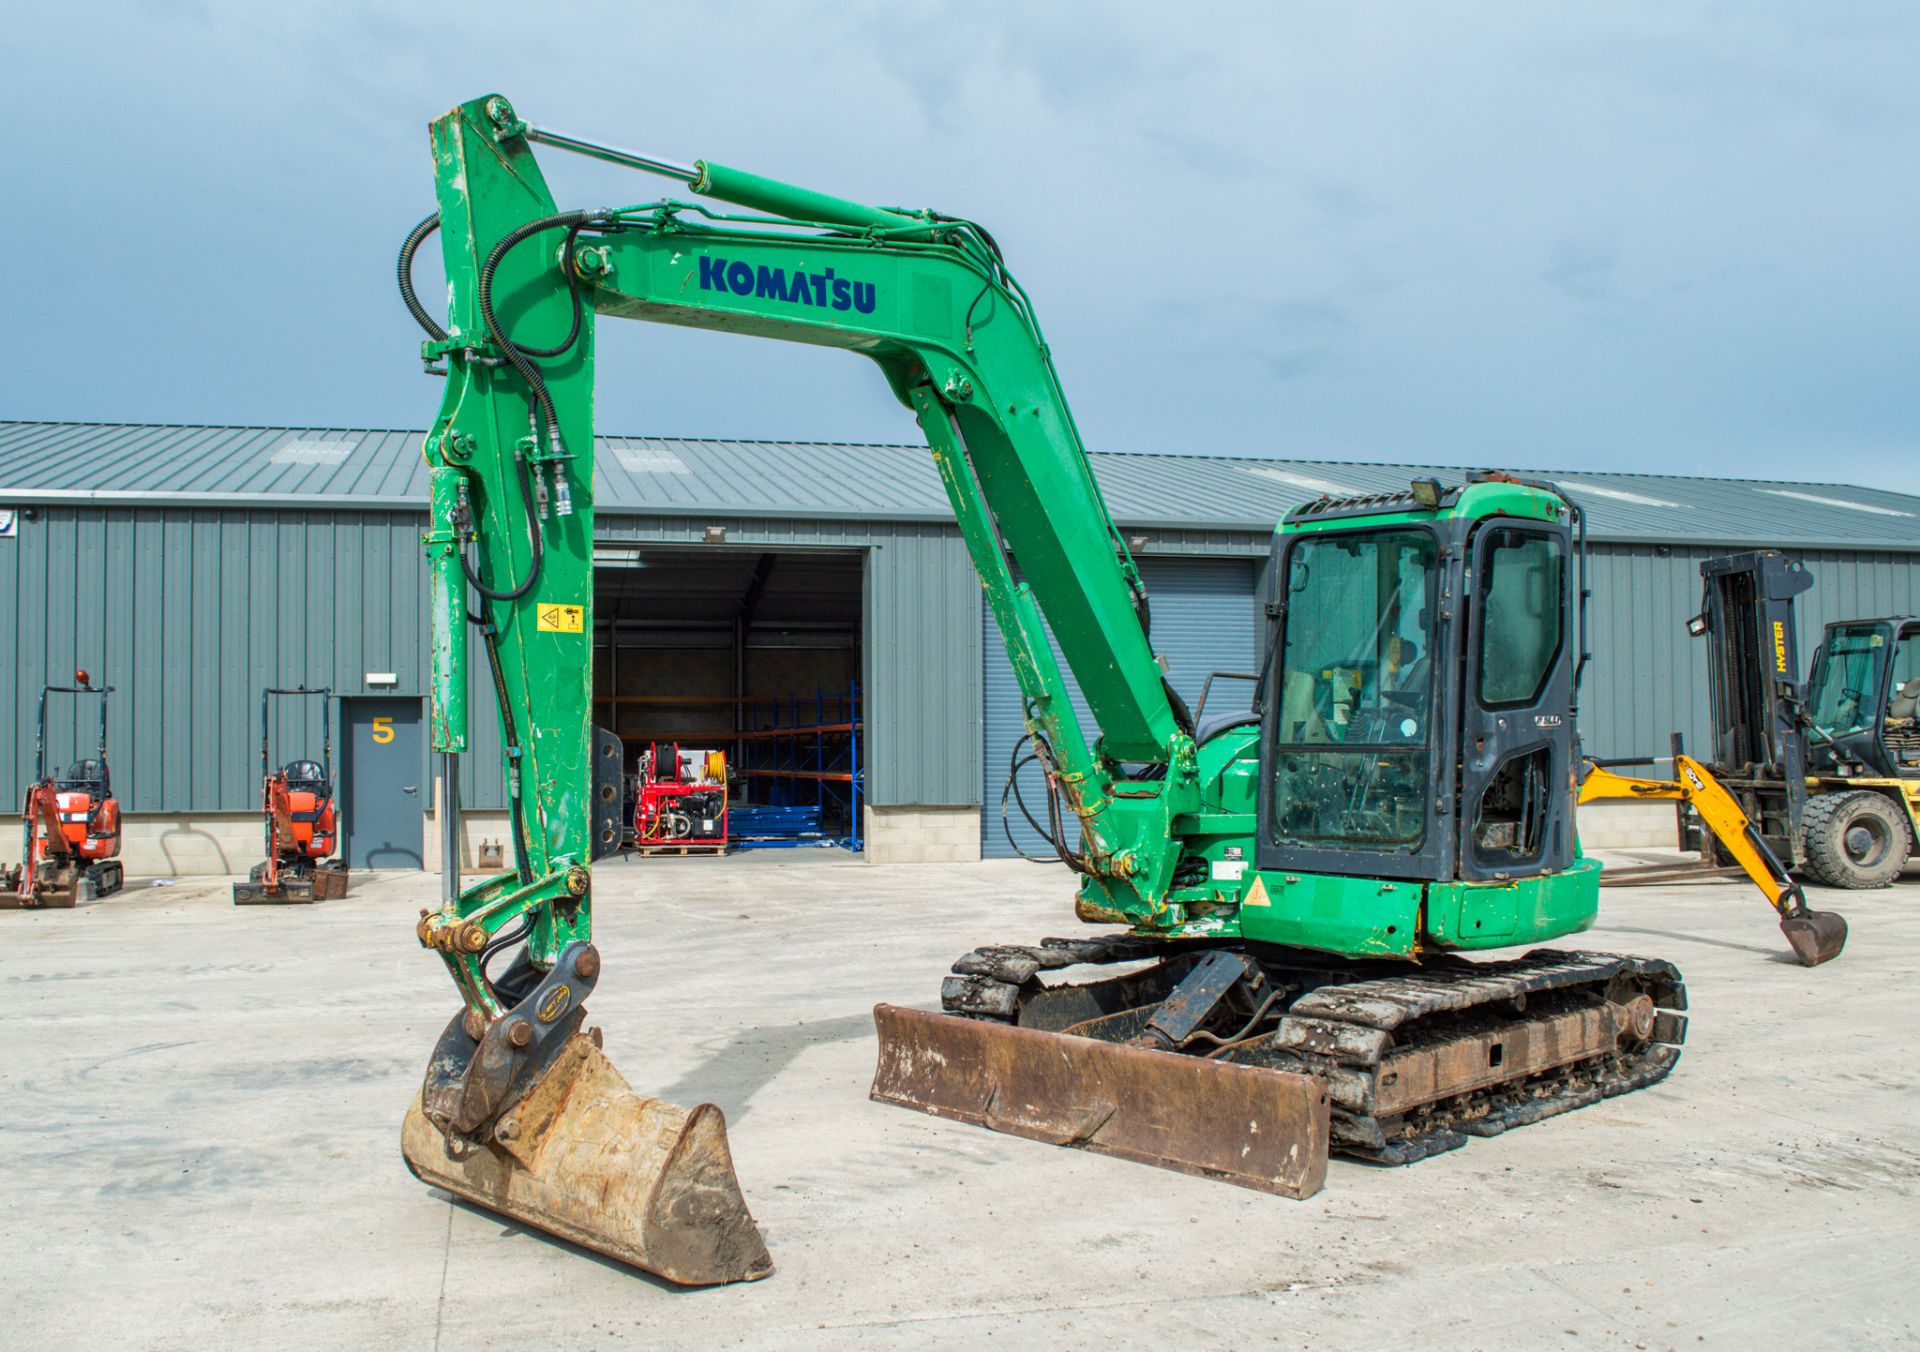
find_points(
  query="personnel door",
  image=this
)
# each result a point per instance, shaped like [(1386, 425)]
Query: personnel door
[(382, 771), (1516, 729)]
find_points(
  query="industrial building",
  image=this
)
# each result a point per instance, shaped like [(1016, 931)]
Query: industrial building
[(810, 607)]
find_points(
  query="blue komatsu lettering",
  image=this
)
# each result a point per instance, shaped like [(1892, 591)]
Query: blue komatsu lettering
[(772, 283), (801, 288)]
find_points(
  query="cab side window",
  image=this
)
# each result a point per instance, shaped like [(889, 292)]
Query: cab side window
[(1520, 634)]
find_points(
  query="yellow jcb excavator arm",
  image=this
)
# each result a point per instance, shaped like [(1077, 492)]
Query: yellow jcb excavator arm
[(1816, 936)]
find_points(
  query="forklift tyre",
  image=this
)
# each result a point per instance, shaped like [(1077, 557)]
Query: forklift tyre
[(1856, 839)]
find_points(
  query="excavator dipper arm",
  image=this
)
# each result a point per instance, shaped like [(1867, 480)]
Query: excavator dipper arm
[(1816, 936)]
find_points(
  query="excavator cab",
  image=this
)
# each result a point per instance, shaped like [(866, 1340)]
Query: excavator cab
[(1409, 736), (1863, 713), (1863, 698)]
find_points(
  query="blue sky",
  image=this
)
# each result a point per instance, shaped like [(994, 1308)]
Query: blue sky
[(1647, 237)]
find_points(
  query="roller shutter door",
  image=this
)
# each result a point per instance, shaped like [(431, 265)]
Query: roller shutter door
[(1203, 620)]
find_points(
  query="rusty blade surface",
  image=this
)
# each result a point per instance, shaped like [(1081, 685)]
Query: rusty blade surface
[(1259, 1128), (329, 884), (584, 1157), (1816, 936), (290, 892), (56, 897)]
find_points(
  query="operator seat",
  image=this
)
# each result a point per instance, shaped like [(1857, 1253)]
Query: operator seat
[(89, 775), (1906, 700), (305, 773), (1212, 727)]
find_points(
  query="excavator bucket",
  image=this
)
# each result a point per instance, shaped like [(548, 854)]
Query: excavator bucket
[(1257, 1127), (53, 889), (584, 1157), (288, 892), (1816, 936), (326, 882)]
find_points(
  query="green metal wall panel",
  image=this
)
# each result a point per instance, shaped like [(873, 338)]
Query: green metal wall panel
[(1648, 677), (188, 611)]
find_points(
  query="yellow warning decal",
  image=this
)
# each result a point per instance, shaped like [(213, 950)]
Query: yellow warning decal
[(1257, 894), (560, 619)]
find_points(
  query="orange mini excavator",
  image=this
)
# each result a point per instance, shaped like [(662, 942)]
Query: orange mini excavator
[(72, 823), (297, 802)]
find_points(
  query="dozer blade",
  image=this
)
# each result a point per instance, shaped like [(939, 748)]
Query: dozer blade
[(1816, 936), (1260, 1128), (289, 892), (58, 896), (329, 882), (584, 1157)]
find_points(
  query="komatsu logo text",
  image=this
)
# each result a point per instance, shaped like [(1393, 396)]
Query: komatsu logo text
[(823, 290)]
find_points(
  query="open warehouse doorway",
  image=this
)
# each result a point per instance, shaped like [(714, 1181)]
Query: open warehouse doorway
[(748, 653)]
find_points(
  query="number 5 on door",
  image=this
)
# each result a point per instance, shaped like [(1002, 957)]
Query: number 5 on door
[(383, 729)]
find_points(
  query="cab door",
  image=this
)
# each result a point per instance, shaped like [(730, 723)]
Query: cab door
[(1516, 694)]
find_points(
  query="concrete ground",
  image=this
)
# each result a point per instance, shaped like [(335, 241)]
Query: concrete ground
[(200, 1110)]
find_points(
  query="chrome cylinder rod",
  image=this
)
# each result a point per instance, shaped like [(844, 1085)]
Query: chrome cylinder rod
[(632, 159), (449, 828)]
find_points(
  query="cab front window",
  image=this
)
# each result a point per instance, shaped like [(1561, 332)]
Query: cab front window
[(1355, 701), (1846, 682)]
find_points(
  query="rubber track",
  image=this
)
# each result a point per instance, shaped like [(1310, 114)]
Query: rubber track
[(1400, 1006)]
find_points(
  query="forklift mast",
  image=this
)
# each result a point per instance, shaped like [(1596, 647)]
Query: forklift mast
[(1754, 687)]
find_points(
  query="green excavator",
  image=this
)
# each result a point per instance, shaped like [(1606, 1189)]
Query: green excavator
[(1286, 892)]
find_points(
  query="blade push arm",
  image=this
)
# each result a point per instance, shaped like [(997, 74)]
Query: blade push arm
[(929, 300)]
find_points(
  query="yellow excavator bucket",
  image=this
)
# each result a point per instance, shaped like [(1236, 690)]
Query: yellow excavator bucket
[(584, 1157)]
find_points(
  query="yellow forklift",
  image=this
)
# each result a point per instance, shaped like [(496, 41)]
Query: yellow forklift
[(1822, 779)]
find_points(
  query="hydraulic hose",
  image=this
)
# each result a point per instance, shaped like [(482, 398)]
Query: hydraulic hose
[(522, 357), (1012, 789), (510, 741), (404, 269), (534, 542)]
